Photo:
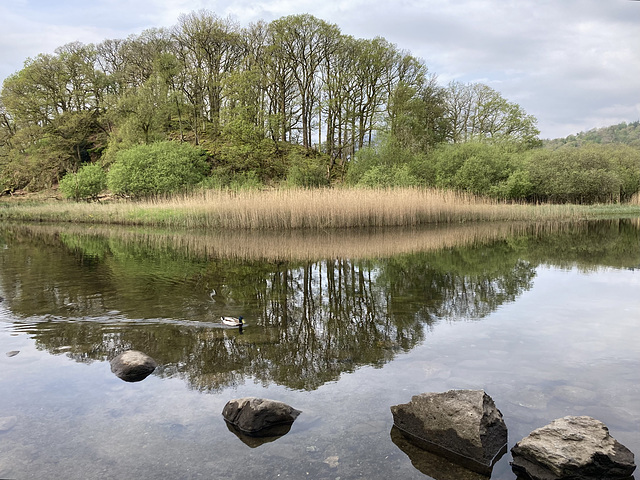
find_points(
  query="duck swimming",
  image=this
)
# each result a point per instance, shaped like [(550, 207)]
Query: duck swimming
[(233, 321)]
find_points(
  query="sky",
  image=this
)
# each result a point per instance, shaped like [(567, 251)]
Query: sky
[(573, 64)]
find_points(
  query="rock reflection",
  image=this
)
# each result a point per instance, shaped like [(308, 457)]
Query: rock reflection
[(435, 466), (266, 436), (94, 296)]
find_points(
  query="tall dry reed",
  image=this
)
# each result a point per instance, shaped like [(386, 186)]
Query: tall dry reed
[(296, 209)]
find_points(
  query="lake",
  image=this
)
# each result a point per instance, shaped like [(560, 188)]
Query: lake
[(340, 325)]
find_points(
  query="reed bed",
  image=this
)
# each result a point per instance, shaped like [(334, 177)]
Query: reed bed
[(315, 209)]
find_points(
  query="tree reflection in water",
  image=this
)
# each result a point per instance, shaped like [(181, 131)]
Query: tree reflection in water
[(92, 296)]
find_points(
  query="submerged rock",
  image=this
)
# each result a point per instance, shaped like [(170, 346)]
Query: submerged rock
[(576, 448), (133, 366), (12, 353), (260, 417), (7, 423), (463, 426)]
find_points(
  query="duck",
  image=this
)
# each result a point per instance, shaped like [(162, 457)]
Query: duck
[(233, 321)]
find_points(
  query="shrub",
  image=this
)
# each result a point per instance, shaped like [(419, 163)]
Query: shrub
[(88, 183), (384, 177), (474, 166), (389, 164), (517, 187), (245, 181), (306, 170), (158, 168), (581, 175)]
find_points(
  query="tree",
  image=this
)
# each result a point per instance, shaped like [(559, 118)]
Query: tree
[(578, 175), (86, 184), (158, 168), (416, 114), (490, 169), (302, 43), (210, 48), (476, 111)]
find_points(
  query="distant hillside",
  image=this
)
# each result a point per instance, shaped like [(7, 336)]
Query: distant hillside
[(623, 133)]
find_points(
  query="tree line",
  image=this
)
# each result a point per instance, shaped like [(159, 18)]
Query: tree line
[(293, 101), (245, 94), (622, 133)]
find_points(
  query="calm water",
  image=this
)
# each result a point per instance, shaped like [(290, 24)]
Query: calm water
[(545, 319)]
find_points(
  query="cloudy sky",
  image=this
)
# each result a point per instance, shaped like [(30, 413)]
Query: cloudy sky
[(573, 64)]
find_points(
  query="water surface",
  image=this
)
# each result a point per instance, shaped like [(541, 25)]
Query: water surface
[(544, 318)]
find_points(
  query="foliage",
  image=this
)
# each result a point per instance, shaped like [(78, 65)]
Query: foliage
[(622, 133), (158, 168), (388, 164), (87, 183), (244, 93), (593, 173), (477, 167), (517, 186), (477, 112), (306, 170), (293, 102), (245, 181)]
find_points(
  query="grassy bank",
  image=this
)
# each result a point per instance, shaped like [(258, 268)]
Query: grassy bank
[(303, 209)]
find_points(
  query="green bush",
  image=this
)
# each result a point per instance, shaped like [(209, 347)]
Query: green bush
[(476, 167), (389, 164), (586, 174), (384, 177), (88, 183), (517, 187), (245, 181), (157, 168), (306, 170)]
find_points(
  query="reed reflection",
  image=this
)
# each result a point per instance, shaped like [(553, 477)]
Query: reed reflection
[(92, 296)]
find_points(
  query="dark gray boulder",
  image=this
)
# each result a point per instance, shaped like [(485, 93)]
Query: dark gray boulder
[(259, 417), (133, 366), (463, 426), (576, 448)]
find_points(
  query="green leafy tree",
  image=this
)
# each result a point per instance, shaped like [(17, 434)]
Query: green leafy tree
[(86, 184), (302, 43), (158, 168), (416, 115), (580, 175), (477, 167), (388, 164), (477, 112), (306, 169)]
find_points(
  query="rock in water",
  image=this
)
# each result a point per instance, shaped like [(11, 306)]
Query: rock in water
[(463, 426), (7, 423), (258, 416), (133, 366), (576, 448)]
